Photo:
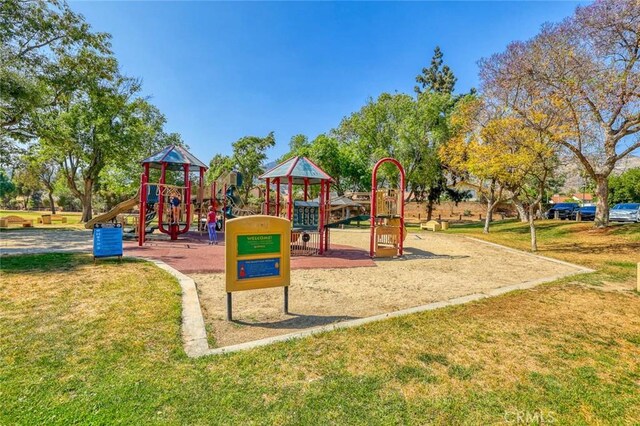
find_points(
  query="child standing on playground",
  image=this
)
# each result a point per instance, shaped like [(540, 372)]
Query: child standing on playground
[(175, 207), (211, 226)]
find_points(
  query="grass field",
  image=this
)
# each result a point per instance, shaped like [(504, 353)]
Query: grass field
[(101, 344), (614, 252), (73, 219)]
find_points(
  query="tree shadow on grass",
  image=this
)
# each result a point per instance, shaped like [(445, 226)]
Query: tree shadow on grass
[(591, 248), (297, 321)]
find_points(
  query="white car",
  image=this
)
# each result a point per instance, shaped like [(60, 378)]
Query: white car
[(625, 212)]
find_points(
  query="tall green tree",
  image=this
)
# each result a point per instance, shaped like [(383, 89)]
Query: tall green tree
[(35, 37), (45, 169), (7, 187), (27, 181), (437, 78), (427, 130), (218, 166), (101, 123), (435, 103), (249, 154), (625, 188)]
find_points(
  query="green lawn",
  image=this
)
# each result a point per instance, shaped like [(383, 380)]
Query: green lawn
[(614, 252), (85, 343), (73, 218)]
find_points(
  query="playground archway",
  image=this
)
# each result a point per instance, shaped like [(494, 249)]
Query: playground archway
[(387, 215)]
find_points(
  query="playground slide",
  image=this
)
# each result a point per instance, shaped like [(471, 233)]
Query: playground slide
[(123, 207), (233, 196), (234, 208), (233, 211)]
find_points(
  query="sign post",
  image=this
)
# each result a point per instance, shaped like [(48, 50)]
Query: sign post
[(107, 240), (257, 255)]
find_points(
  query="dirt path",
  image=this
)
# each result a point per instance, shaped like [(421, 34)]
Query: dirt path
[(436, 267)]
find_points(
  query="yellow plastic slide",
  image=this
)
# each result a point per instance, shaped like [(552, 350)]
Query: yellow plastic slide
[(123, 207)]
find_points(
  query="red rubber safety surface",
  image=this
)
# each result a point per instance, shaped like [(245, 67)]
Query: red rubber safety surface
[(192, 254)]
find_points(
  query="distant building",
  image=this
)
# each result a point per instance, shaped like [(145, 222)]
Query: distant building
[(574, 198)]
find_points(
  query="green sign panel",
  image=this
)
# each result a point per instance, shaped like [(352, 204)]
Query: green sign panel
[(258, 244)]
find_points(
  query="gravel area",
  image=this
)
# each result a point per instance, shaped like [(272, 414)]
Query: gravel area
[(436, 267)]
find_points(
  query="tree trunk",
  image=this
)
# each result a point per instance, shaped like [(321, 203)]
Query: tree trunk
[(488, 219), (522, 212), (87, 213), (532, 228), (429, 210), (408, 199), (602, 206), (52, 203)]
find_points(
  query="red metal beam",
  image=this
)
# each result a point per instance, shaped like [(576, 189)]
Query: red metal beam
[(143, 207), (278, 197), (327, 214), (266, 197), (290, 204), (321, 204), (163, 173), (187, 202)]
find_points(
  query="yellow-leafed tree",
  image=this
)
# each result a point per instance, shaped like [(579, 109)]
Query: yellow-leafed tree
[(506, 157)]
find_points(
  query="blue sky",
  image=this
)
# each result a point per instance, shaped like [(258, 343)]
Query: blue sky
[(220, 71)]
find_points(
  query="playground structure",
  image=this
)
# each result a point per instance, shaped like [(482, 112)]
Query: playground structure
[(224, 194), (387, 215), (154, 200), (173, 208), (174, 217), (309, 218)]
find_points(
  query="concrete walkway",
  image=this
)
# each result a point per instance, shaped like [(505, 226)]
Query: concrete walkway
[(31, 241)]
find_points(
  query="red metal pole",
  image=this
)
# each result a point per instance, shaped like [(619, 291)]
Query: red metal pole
[(402, 186), (290, 206), (321, 204), (187, 202), (372, 217), (306, 188), (328, 215), (143, 209), (278, 197), (200, 200), (161, 197), (266, 197)]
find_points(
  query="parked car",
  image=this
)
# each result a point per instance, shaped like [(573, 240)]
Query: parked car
[(586, 213), (625, 212), (564, 210)]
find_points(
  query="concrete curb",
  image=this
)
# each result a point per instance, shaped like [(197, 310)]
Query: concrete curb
[(194, 333)]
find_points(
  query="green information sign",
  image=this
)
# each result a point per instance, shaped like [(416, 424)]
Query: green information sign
[(258, 244)]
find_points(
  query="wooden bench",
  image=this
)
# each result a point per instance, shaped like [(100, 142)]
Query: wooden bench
[(59, 217), (15, 220), (46, 219), (432, 225)]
